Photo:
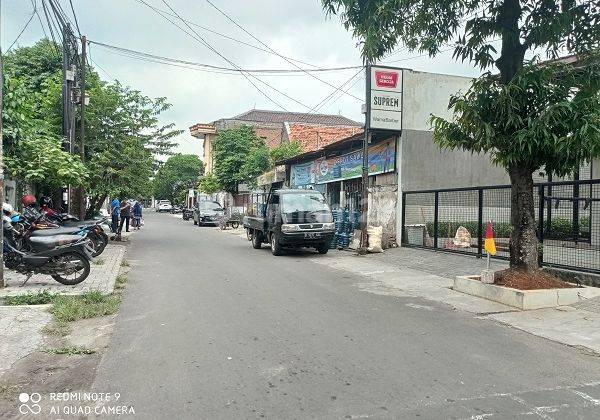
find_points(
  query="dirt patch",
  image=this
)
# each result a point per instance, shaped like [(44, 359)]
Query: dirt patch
[(529, 280), (51, 369)]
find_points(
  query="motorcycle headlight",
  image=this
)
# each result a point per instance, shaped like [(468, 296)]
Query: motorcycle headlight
[(289, 228), (329, 226)]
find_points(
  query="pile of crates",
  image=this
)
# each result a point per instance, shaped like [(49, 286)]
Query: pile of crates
[(345, 224)]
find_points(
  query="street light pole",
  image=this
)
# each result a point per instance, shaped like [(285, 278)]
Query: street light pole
[(365, 165)]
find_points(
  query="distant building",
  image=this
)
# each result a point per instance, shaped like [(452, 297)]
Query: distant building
[(312, 131)]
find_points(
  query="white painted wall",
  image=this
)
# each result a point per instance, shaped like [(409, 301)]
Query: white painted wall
[(426, 94)]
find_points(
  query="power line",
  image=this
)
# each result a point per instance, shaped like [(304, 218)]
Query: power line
[(75, 17), (272, 50), (156, 9), (338, 89), (201, 40), (210, 66), (22, 30)]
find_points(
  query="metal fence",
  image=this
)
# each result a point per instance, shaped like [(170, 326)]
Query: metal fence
[(567, 216)]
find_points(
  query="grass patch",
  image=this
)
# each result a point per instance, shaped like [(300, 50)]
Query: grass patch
[(90, 305), (70, 350), (40, 298), (120, 281), (98, 261), (58, 328), (5, 390), (125, 263)]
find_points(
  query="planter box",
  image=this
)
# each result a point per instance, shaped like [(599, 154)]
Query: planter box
[(523, 299)]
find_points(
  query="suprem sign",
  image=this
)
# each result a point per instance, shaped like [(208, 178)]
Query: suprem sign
[(385, 102)]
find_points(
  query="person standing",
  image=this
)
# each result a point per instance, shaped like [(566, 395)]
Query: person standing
[(125, 215), (137, 215), (115, 209)]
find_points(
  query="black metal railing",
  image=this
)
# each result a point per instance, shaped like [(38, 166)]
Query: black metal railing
[(454, 220)]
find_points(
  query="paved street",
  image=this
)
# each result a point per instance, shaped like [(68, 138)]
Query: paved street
[(211, 328)]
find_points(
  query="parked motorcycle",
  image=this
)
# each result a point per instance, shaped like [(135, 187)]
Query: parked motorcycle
[(66, 258), (35, 224)]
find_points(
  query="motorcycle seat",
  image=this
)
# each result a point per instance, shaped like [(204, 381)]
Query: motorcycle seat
[(53, 241), (80, 224), (56, 231)]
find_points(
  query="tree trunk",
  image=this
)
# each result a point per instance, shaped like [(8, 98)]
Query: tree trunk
[(523, 239)]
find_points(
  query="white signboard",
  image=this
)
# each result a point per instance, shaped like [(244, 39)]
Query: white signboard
[(385, 102)]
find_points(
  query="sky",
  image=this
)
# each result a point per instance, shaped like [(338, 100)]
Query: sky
[(297, 29)]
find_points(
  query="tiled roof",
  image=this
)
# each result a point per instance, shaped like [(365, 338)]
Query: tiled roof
[(314, 137), (258, 115)]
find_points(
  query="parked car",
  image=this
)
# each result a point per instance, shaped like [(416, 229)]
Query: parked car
[(163, 205), (208, 213), (292, 218)]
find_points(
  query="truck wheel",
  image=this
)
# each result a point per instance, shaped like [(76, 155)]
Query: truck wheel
[(195, 222), (257, 240), (323, 248), (275, 245)]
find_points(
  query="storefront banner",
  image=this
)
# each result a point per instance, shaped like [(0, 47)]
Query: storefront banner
[(302, 175), (382, 158)]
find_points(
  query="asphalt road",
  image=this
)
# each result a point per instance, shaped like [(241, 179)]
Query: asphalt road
[(211, 328)]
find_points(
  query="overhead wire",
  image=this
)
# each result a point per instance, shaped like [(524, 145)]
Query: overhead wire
[(75, 17), (198, 38), (22, 30), (213, 67), (271, 49), (156, 9)]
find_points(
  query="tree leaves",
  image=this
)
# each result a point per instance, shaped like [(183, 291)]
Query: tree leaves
[(178, 174), (547, 117)]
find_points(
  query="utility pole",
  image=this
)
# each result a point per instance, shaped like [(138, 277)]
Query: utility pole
[(1, 168), (364, 208), (82, 123)]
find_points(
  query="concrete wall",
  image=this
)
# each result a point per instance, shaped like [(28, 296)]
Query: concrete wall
[(428, 93), (425, 166), (383, 195)]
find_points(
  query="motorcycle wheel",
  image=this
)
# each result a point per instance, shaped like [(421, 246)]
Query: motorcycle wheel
[(100, 242), (71, 261)]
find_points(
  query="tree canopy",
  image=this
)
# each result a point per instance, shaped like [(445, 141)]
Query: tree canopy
[(123, 133), (239, 157), (176, 176), (530, 115)]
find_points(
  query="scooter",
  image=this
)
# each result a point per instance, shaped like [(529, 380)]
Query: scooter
[(35, 224), (66, 258)]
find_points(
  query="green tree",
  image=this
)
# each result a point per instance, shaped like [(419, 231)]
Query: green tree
[(239, 157), (123, 133), (528, 116), (178, 174), (285, 151), (32, 150), (209, 184)]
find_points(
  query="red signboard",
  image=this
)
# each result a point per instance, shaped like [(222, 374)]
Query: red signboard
[(386, 79)]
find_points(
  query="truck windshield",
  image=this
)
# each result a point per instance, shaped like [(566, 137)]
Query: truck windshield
[(309, 202)]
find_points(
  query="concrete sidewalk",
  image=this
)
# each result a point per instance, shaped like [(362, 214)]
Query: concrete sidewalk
[(103, 273), (408, 272)]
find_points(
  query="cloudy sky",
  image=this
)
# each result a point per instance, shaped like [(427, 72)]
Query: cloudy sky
[(297, 29)]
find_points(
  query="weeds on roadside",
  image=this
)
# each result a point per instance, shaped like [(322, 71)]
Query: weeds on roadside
[(91, 305), (71, 350), (125, 263), (57, 328), (39, 298), (98, 261), (120, 281)]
